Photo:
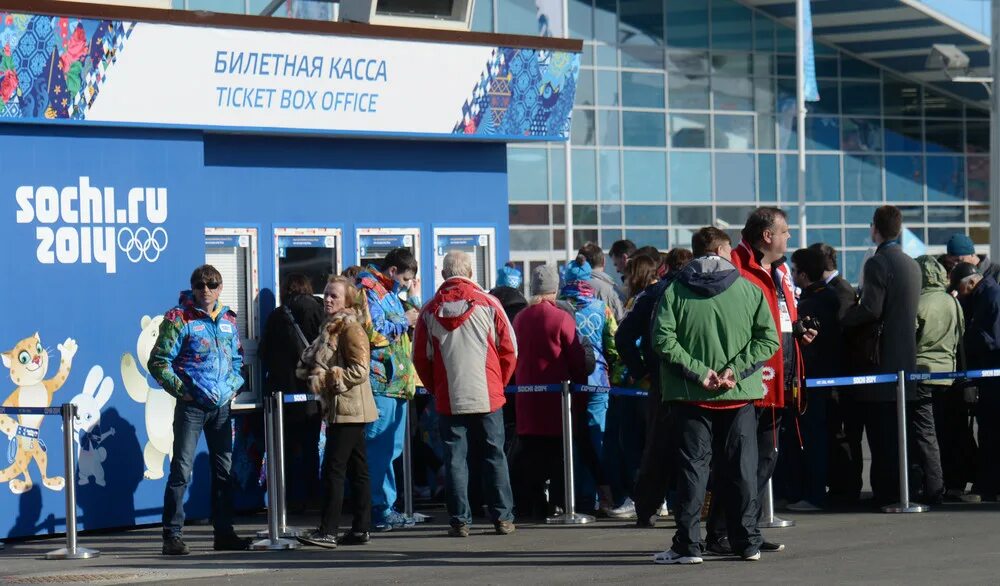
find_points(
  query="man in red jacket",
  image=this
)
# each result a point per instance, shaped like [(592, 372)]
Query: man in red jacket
[(464, 351), (760, 257)]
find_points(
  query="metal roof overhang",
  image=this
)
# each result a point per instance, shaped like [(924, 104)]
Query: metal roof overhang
[(894, 34)]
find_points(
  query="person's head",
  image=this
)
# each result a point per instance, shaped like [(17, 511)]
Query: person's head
[(650, 251), (962, 249), (296, 284), (948, 262), (509, 276), (544, 283), (678, 258), (206, 286), (965, 277), (640, 272), (340, 294), (887, 224), (457, 263), (829, 253), (620, 252), (577, 269), (401, 266), (711, 240), (351, 272), (766, 230), (594, 255), (810, 264)]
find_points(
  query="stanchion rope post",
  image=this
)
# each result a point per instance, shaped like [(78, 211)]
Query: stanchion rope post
[(569, 516), (279, 451), (71, 551), (904, 505), (408, 511), (273, 541)]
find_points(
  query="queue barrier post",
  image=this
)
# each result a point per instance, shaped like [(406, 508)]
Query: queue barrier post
[(273, 541), (72, 551), (408, 511), (569, 516), (904, 505), (768, 520), (279, 451)]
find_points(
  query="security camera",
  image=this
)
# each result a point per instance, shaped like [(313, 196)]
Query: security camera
[(439, 14), (949, 58)]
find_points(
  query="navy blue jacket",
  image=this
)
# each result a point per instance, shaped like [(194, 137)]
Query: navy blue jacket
[(633, 336), (982, 333)]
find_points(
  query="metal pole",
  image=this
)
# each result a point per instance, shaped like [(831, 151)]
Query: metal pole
[(800, 112), (273, 541), (71, 551), (995, 131), (768, 520), (568, 160), (570, 516), (279, 452), (408, 475), (904, 505)]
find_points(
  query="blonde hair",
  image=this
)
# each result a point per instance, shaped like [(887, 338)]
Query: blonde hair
[(351, 294), (536, 299)]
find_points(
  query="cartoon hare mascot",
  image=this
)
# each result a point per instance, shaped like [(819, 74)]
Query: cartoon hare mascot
[(28, 363), (90, 453), (159, 404)]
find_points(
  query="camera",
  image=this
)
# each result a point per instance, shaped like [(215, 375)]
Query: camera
[(806, 323)]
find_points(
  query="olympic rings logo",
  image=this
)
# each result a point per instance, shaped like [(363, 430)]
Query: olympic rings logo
[(142, 243)]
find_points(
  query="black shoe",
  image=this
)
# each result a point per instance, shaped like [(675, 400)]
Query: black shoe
[(646, 522), (355, 538), (175, 546), (231, 542), (718, 548), (318, 539), (771, 547)]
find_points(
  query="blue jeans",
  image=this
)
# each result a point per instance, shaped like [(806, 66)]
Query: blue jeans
[(190, 420), (457, 432), (384, 442), (586, 483)]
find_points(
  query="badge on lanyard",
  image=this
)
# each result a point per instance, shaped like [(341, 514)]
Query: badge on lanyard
[(786, 318)]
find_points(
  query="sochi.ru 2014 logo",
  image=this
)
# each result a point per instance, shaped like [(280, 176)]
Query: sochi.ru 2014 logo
[(81, 224)]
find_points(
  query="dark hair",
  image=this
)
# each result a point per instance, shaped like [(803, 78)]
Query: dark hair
[(650, 251), (402, 259), (593, 253), (206, 273), (622, 247), (810, 261), (708, 240), (351, 272), (761, 220), (829, 253), (296, 284), (678, 258), (888, 222), (948, 262), (640, 272)]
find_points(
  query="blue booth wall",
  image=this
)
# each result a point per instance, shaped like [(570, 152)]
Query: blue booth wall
[(73, 301)]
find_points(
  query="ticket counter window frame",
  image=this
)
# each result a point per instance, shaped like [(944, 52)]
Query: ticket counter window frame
[(489, 263), (281, 231)]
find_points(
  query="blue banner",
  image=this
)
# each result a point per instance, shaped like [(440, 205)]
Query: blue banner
[(851, 381), (811, 90)]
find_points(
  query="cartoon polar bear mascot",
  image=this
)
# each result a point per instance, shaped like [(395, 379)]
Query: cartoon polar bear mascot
[(159, 404)]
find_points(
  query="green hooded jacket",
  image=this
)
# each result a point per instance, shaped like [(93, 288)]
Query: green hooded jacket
[(940, 322), (712, 318)]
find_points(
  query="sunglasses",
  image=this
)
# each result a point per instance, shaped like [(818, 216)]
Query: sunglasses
[(213, 285)]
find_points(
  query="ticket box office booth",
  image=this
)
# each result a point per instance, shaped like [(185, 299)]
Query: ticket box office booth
[(138, 144)]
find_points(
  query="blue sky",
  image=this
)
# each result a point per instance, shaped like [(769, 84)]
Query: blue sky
[(973, 13)]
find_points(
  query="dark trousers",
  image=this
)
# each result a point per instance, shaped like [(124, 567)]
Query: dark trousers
[(486, 431), (190, 420), (656, 470), (988, 416), (534, 461), (845, 429), (952, 421), (302, 465), (725, 442), (345, 456), (767, 423), (879, 422), (923, 454), (807, 465), (624, 437)]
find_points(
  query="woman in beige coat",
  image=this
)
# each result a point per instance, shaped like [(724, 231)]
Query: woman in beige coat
[(336, 369)]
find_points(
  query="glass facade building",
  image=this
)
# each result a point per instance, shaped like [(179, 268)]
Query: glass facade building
[(685, 116)]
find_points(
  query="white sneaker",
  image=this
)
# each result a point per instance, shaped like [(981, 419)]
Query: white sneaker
[(804, 506), (625, 511), (664, 511), (672, 557), (752, 558)]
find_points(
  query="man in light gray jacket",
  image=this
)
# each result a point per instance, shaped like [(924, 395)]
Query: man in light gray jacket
[(604, 286)]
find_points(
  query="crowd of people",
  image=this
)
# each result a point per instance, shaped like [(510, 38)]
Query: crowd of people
[(721, 335)]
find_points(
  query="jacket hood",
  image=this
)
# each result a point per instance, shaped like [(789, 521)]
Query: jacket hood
[(709, 276), (934, 275), (455, 306)]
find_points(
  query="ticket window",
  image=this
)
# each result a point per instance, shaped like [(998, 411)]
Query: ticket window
[(375, 243), (313, 252), (233, 251), (480, 243)]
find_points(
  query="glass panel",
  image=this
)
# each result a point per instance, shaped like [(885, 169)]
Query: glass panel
[(645, 176), (763, 35), (583, 130), (558, 214), (644, 129), (609, 237), (860, 98), (822, 133), (527, 174), (765, 133), (691, 215), (732, 64), (862, 178), (641, 22), (690, 177), (645, 215), (733, 93), (764, 94), (978, 113), (608, 128), (611, 181), (767, 170), (904, 178), (859, 237), (607, 56), (831, 236), (944, 136), (859, 214), (904, 135), (785, 39), (482, 16), (642, 90), (687, 24), (581, 23), (862, 134), (977, 137), (940, 236), (824, 214), (529, 240), (978, 178), (559, 240), (655, 238), (584, 163), (913, 214), (822, 178), (557, 166), (829, 98), (826, 67), (611, 214), (687, 62), (642, 57), (945, 215), (229, 6), (902, 98), (607, 88), (689, 131), (688, 92), (851, 67), (734, 215), (585, 215), (852, 265), (945, 178), (530, 215), (734, 132), (941, 106), (517, 17), (585, 88), (980, 234), (581, 237), (732, 26), (606, 22), (734, 177)]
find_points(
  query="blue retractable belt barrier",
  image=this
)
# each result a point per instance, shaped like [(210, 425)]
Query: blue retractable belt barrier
[(851, 381), (616, 391), (30, 410), (299, 398), (515, 389)]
